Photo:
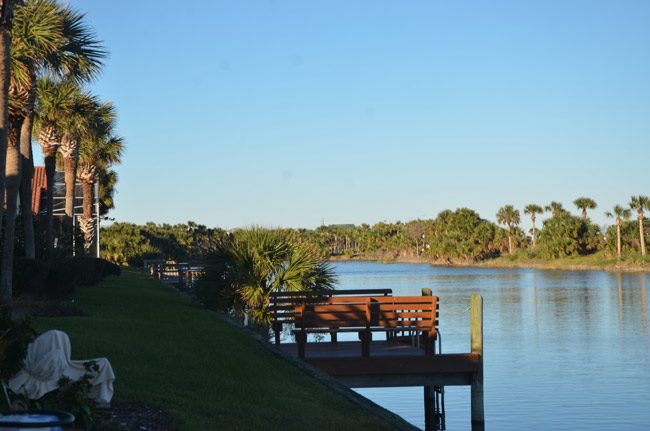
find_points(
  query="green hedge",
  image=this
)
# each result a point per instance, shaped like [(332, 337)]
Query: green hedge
[(60, 279)]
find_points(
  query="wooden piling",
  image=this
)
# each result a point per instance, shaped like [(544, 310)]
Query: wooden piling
[(429, 392), (429, 408), (476, 341)]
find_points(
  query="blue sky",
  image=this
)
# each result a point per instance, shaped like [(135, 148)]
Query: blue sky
[(290, 113)]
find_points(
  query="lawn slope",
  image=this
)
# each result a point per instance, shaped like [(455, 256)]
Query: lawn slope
[(207, 374)]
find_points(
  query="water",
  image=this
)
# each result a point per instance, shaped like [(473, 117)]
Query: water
[(564, 350)]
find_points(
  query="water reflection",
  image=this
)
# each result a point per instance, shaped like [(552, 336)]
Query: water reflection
[(568, 349)]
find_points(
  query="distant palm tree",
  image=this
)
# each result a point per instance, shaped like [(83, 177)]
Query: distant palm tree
[(619, 213), (639, 204), (555, 208), (508, 216), (532, 210), (583, 204)]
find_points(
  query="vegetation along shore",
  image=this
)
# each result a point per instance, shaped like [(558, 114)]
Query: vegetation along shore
[(460, 237)]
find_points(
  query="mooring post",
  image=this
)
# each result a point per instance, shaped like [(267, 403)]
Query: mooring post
[(476, 341), (429, 392)]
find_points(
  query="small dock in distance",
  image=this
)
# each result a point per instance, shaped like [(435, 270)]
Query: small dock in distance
[(399, 361)]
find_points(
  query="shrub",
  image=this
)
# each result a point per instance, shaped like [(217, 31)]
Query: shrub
[(16, 336), (104, 268), (61, 282), (30, 277)]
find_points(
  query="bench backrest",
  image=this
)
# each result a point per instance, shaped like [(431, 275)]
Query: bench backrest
[(334, 313), (369, 312), (282, 304), (404, 311)]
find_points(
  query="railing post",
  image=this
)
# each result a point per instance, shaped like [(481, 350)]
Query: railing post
[(476, 341)]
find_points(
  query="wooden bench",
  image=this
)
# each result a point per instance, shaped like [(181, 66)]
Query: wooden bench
[(282, 304), (365, 315)]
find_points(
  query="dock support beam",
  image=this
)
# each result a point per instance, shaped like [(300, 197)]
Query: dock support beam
[(430, 420), (476, 341)]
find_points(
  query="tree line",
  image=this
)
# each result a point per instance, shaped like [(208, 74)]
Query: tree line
[(48, 54), (458, 236)]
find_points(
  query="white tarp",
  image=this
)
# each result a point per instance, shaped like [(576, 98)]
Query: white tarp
[(48, 359)]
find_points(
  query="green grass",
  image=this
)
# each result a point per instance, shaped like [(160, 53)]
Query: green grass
[(595, 261), (207, 374)]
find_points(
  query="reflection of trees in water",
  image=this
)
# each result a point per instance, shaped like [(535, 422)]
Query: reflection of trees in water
[(619, 290), (644, 308), (630, 291)]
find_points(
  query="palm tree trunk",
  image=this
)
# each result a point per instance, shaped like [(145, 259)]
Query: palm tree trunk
[(532, 220), (87, 224), (70, 169), (12, 183), (509, 243), (641, 234), (5, 60), (584, 214), (27, 174), (618, 237), (50, 171)]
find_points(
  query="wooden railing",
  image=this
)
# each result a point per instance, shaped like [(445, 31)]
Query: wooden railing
[(181, 275)]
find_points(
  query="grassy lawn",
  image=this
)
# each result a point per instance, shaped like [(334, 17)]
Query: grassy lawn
[(170, 354)]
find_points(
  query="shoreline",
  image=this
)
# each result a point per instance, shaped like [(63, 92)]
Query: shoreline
[(502, 262)]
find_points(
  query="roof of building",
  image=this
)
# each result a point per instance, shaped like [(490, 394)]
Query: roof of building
[(39, 186)]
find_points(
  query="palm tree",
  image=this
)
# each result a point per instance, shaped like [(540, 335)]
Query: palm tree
[(6, 23), (256, 262), (639, 204), (508, 216), (96, 156), (583, 204), (87, 116), (55, 103), (532, 210), (555, 208), (620, 213), (48, 38), (107, 181)]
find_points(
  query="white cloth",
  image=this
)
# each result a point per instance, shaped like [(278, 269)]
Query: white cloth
[(48, 359)]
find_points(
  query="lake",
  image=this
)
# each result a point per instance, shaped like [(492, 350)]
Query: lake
[(564, 350)]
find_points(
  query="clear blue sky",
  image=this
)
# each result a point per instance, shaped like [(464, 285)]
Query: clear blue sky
[(288, 113)]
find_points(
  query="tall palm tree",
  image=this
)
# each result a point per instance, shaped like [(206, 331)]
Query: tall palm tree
[(6, 23), (508, 216), (555, 208), (49, 37), (619, 213), (532, 210), (87, 117), (639, 204), (583, 204), (35, 25), (96, 156), (55, 103)]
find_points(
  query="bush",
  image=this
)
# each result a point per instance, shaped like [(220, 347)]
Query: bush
[(89, 270), (30, 277), (61, 282), (104, 268)]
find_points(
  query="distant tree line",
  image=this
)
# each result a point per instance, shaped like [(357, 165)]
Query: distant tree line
[(459, 236)]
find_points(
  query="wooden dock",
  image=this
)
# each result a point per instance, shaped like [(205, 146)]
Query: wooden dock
[(396, 362)]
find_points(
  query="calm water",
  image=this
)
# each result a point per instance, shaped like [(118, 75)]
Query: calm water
[(564, 350)]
